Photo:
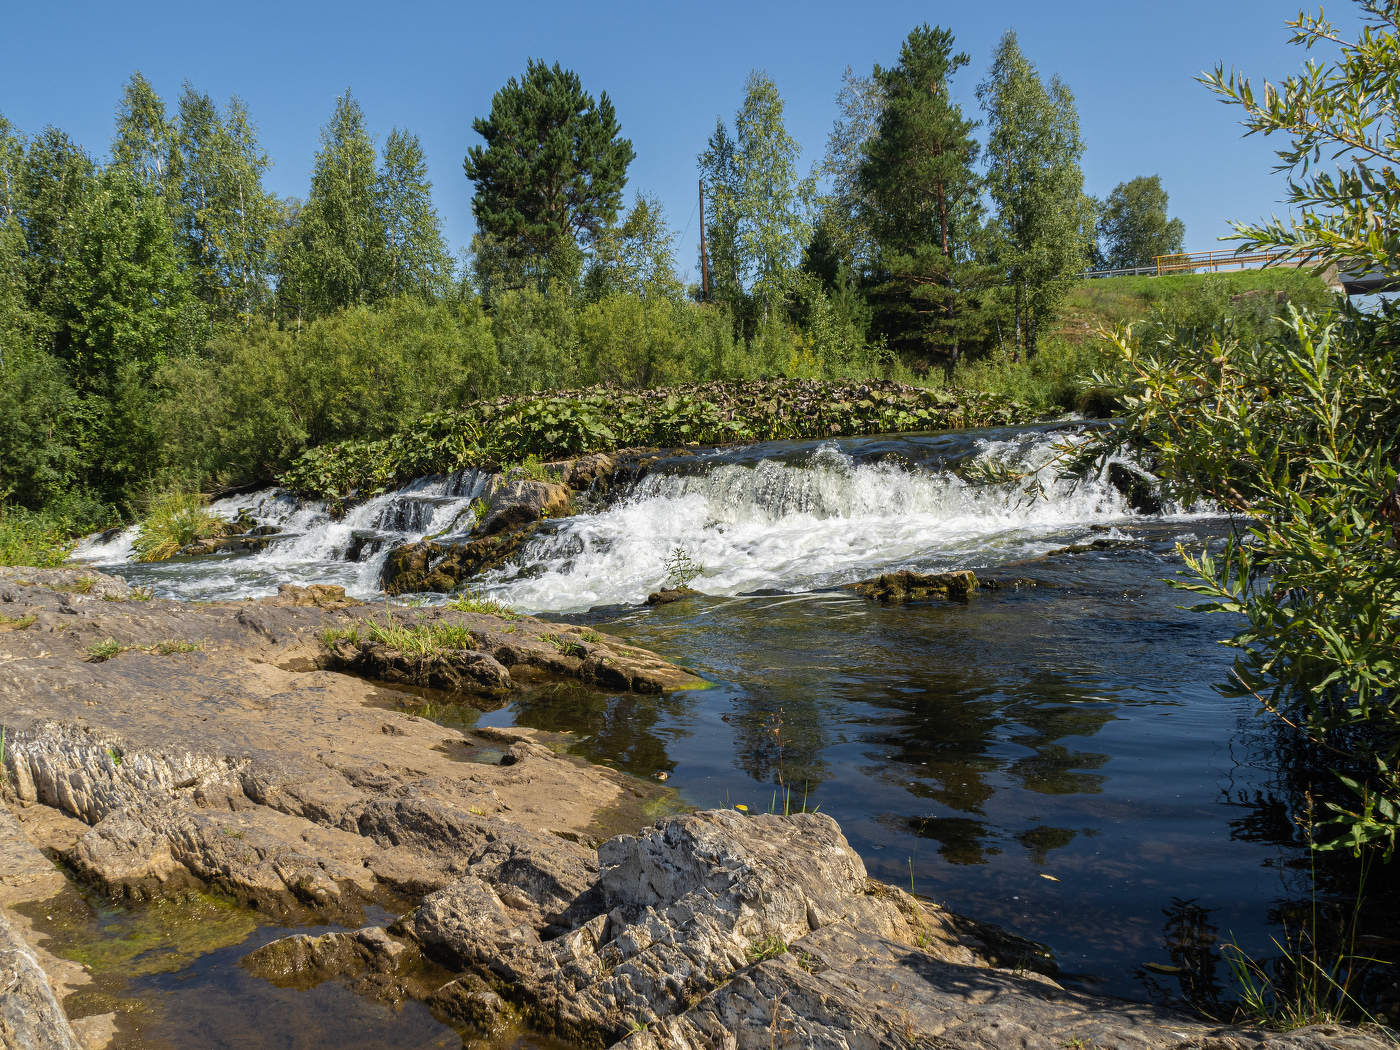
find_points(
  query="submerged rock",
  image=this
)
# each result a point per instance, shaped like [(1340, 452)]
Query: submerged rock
[(906, 586)]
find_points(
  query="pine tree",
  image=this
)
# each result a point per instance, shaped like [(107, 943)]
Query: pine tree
[(417, 261), (918, 197), (550, 176), (1044, 220)]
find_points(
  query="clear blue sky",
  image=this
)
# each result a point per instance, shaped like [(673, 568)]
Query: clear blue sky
[(670, 70)]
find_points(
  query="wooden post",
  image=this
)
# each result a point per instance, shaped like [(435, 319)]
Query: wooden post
[(704, 258)]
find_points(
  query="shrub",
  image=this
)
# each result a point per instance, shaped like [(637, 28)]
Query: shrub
[(175, 519), (28, 538)]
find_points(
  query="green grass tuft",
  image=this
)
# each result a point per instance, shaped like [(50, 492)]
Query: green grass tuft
[(175, 519)]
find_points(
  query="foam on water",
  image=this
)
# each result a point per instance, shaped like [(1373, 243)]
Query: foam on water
[(803, 526), (800, 523)]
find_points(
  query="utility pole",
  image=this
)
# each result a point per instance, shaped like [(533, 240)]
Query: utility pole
[(704, 258)]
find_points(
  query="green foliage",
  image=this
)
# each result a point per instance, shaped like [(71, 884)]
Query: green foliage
[(1057, 379), (549, 178), (100, 652), (1342, 110), (769, 946), (919, 198), (1043, 219), (1133, 227), (759, 204), (224, 216), (1299, 433), (28, 538), (568, 424), (681, 568), (466, 601), (417, 262), (338, 255), (430, 638), (174, 519)]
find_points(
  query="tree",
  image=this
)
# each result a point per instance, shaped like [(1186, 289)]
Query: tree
[(417, 261), (1043, 217), (52, 181), (861, 102), (123, 279), (918, 197), (224, 218), (760, 204), (550, 176), (720, 176), (338, 259), (637, 257), (146, 139), (1133, 227), (1300, 433)]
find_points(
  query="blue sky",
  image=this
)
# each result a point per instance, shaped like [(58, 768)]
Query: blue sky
[(670, 70)]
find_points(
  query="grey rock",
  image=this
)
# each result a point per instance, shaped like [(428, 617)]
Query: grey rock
[(30, 1016)]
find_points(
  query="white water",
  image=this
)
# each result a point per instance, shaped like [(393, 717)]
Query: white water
[(313, 547), (825, 522), (821, 521)]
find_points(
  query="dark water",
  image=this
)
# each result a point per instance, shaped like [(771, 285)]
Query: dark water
[(1053, 757)]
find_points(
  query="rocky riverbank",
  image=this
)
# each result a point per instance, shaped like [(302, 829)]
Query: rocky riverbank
[(262, 748)]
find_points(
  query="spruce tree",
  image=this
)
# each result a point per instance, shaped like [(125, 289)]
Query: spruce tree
[(918, 196)]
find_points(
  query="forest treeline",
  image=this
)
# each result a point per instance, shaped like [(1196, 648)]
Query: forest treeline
[(166, 319)]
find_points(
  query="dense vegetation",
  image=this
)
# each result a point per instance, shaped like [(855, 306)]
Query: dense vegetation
[(574, 422), (168, 323), (1299, 431)]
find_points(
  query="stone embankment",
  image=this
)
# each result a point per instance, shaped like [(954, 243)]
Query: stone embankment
[(154, 746)]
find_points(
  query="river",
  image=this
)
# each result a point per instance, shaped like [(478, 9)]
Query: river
[(1050, 755)]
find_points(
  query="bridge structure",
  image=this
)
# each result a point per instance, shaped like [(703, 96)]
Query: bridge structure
[(1352, 282)]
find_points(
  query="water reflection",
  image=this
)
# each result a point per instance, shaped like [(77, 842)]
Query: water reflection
[(1049, 757)]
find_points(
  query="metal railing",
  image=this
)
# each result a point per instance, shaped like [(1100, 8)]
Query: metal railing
[(1191, 262)]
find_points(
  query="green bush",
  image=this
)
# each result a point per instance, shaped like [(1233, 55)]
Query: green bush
[(27, 538), (174, 519)]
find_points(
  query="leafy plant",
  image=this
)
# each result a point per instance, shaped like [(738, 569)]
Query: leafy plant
[(33, 539), (1299, 434)]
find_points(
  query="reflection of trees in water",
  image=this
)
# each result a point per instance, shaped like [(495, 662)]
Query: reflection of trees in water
[(1190, 939), (946, 744), (780, 740), (961, 840), (619, 728)]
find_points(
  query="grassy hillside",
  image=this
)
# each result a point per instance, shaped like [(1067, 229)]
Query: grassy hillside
[(1112, 301)]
